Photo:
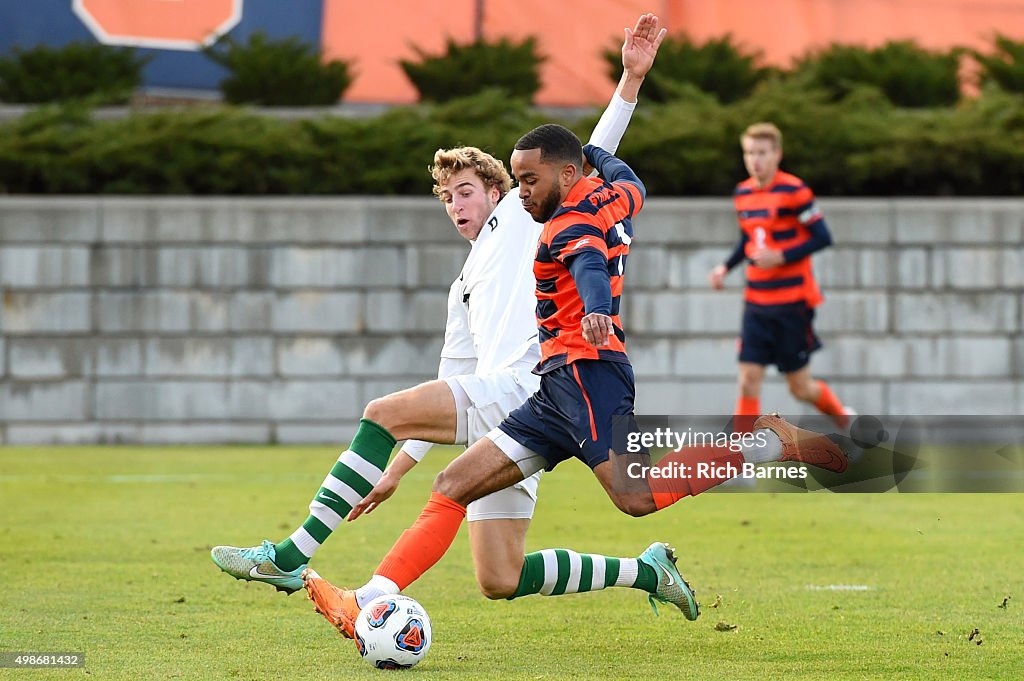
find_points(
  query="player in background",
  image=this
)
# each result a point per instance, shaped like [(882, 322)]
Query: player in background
[(781, 226), (586, 381), (485, 371)]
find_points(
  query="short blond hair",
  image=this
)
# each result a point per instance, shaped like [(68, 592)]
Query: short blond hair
[(490, 170), (764, 131)]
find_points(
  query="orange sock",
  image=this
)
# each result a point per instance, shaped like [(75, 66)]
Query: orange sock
[(829, 404), (676, 482), (423, 544), (747, 411)]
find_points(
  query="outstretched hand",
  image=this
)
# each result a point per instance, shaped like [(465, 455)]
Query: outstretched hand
[(641, 45), (380, 493)]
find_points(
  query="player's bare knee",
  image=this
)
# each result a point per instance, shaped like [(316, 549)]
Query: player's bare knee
[(801, 391), (642, 507), (635, 505), (496, 587), (381, 411), (449, 486), (441, 484), (750, 387)]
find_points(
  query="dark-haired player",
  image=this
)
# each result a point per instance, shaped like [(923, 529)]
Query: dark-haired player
[(586, 381)]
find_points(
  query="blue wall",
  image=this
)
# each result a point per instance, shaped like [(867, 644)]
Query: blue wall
[(26, 24)]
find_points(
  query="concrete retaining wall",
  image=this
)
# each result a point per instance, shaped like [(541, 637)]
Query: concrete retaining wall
[(167, 320)]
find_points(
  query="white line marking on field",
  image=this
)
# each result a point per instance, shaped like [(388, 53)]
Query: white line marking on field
[(840, 587)]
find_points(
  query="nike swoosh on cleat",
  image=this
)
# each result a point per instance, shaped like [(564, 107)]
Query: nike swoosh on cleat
[(668, 575), (831, 462), (256, 574)]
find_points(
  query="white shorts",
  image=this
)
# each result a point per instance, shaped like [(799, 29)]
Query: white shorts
[(490, 399)]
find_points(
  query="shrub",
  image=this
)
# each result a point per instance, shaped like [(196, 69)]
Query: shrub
[(465, 70), (973, 150), (684, 147), (284, 72), (1005, 66), (860, 145), (717, 67), (227, 150), (389, 154), (102, 74), (192, 151), (908, 75)]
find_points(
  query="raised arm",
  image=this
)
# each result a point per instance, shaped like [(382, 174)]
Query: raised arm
[(638, 52)]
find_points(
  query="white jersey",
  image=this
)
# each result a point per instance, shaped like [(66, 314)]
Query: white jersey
[(492, 306), (458, 342)]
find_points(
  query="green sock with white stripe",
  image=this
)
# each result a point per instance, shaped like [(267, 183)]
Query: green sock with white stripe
[(553, 572), (358, 469)]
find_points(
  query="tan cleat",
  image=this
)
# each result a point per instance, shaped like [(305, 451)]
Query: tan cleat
[(804, 446), (338, 606)]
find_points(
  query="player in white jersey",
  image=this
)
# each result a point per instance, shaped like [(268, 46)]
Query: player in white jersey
[(485, 368)]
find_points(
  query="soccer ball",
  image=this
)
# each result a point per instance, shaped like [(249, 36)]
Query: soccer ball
[(393, 632)]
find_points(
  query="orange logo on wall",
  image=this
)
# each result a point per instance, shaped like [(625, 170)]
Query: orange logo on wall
[(162, 24)]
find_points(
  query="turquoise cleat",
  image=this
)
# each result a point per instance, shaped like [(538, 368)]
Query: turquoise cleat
[(672, 588), (256, 564)]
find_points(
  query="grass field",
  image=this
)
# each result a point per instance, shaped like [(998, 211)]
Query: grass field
[(106, 551)]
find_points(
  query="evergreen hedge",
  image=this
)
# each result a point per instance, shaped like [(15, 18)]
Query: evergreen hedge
[(286, 72), (465, 69), (860, 145), (76, 71), (908, 75), (1004, 65), (718, 67)]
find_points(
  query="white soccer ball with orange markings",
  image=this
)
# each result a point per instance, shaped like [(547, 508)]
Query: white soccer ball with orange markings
[(393, 632)]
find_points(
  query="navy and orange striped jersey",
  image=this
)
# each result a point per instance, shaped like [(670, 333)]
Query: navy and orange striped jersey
[(780, 215), (596, 216)]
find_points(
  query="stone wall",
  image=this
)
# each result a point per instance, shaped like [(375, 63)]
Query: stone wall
[(178, 320)]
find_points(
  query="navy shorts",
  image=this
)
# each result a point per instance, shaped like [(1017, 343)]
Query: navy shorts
[(782, 335), (571, 414)]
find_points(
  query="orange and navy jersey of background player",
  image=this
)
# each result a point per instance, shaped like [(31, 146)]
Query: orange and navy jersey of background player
[(595, 216), (778, 216)]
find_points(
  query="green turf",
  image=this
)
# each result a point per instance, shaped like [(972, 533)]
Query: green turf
[(106, 551)]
